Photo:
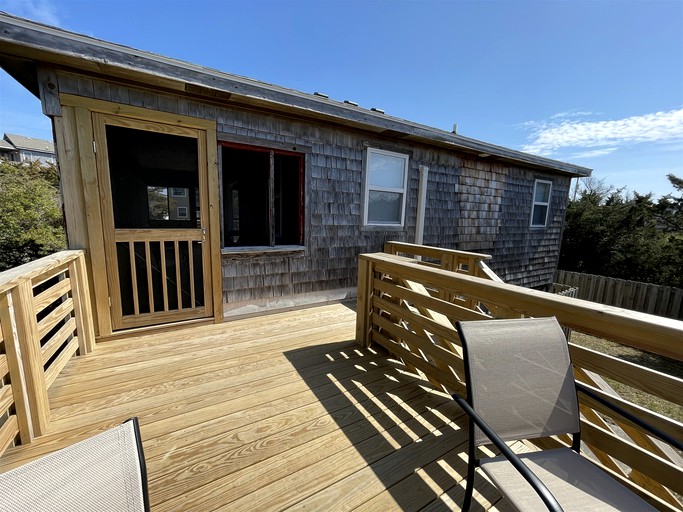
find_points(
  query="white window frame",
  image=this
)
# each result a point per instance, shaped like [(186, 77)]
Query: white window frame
[(368, 187), (535, 203)]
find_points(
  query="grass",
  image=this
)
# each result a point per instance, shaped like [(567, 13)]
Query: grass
[(652, 361)]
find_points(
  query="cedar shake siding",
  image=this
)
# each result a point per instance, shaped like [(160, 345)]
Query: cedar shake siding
[(472, 205)]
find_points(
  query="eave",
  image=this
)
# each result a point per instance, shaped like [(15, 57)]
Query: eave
[(27, 44)]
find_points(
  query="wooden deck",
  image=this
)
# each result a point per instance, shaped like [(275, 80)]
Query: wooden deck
[(277, 412)]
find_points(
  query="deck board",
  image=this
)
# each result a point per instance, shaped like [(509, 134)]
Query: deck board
[(281, 412)]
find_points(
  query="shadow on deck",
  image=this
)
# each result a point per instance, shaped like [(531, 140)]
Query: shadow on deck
[(404, 443)]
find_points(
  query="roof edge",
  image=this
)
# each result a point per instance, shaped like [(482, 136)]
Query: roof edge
[(49, 43)]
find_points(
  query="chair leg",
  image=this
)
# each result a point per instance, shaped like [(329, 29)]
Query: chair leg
[(469, 489)]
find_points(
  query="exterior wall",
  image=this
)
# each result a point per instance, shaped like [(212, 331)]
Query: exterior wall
[(472, 204), (495, 203)]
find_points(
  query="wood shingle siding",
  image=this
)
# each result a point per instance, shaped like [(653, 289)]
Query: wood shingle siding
[(472, 205)]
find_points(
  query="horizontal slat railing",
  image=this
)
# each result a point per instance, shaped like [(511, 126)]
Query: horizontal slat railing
[(448, 259), (418, 326), (45, 319)]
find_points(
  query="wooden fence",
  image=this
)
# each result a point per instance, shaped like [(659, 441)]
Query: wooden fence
[(401, 306), (647, 298), (45, 318)]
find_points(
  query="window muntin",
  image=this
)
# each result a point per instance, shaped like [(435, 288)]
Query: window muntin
[(541, 203), (385, 190), (262, 197)]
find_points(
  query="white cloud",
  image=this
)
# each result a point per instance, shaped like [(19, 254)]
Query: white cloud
[(548, 137), (571, 114), (594, 153), (43, 11)]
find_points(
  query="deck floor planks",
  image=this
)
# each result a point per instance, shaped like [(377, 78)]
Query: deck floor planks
[(235, 381), (135, 373), (267, 437), (277, 412)]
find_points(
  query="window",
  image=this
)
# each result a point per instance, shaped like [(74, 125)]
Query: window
[(262, 197), (385, 188), (163, 204), (539, 211)]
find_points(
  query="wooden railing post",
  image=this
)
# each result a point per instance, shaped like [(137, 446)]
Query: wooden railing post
[(82, 309), (16, 372), (31, 356), (364, 304)]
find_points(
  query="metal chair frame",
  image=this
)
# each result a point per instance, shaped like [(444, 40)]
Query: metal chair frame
[(538, 486)]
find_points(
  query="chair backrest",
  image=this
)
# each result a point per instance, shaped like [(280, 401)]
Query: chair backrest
[(519, 377), (106, 472)]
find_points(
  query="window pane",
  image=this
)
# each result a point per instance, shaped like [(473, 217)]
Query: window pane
[(245, 197), (287, 200), (386, 170), (542, 192), (249, 198), (539, 216), (384, 207)]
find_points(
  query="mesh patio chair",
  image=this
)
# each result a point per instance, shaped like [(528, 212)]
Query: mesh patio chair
[(104, 473), (520, 385)]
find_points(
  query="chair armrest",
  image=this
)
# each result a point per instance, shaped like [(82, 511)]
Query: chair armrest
[(538, 486), (676, 443)]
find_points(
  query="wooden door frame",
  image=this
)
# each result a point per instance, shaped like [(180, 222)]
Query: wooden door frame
[(93, 191)]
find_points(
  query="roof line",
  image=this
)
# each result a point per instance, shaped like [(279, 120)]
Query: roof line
[(78, 48)]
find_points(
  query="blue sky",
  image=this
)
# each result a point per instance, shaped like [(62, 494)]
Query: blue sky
[(595, 83)]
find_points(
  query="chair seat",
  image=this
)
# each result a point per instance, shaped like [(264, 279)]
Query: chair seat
[(576, 483), (100, 474)]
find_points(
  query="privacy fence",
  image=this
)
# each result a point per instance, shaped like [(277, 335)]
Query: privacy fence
[(646, 298)]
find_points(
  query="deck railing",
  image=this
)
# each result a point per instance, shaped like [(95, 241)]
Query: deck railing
[(411, 309), (45, 318), (463, 262)]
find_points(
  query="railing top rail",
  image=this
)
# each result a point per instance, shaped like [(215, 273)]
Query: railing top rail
[(426, 250), (13, 276), (662, 336)]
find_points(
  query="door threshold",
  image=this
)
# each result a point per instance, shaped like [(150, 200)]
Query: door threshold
[(155, 329)]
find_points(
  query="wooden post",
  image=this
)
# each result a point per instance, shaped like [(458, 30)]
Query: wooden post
[(31, 356), (16, 373), (364, 304), (82, 308)]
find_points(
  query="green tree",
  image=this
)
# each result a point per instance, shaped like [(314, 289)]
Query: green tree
[(670, 207), (31, 223), (613, 234)]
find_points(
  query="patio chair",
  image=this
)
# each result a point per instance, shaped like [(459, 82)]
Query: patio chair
[(104, 473), (520, 385)]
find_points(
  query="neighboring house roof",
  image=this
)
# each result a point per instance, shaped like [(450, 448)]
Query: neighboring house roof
[(24, 39), (6, 146), (22, 142)]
